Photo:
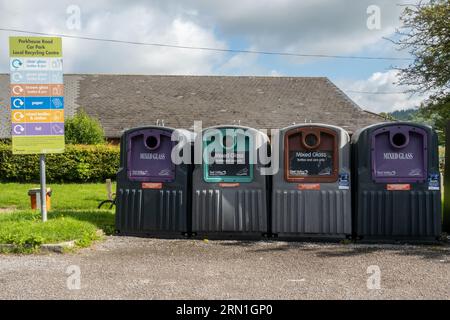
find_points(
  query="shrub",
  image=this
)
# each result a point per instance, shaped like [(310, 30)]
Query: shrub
[(83, 129), (79, 163), (6, 141)]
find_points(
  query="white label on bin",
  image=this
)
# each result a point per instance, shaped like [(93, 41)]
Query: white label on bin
[(433, 182), (344, 181)]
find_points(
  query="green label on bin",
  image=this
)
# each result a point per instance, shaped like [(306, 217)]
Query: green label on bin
[(227, 157)]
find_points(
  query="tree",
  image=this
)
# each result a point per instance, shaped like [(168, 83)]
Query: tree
[(404, 115), (387, 116), (83, 129), (436, 113), (426, 34)]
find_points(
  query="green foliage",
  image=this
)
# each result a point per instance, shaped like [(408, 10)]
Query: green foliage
[(27, 232), (436, 112), (102, 219), (387, 116), (73, 217), (404, 115), (68, 196), (442, 158), (77, 164), (83, 129), (6, 141), (426, 35)]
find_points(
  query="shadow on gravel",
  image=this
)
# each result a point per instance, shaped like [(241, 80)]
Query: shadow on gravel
[(346, 252), (426, 252), (265, 246), (284, 247), (238, 243), (330, 250), (433, 253)]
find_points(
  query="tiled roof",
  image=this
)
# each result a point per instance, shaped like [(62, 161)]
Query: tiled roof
[(126, 101)]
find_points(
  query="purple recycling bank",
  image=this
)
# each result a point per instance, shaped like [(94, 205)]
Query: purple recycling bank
[(395, 170), (153, 194)]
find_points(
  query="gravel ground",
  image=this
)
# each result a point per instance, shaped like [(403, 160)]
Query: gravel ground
[(138, 268)]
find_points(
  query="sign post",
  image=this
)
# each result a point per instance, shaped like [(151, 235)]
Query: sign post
[(37, 100), (446, 216), (43, 188)]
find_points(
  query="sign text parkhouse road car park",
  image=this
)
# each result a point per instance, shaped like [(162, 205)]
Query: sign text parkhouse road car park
[(37, 95)]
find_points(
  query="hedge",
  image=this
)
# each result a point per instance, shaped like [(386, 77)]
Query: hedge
[(79, 163)]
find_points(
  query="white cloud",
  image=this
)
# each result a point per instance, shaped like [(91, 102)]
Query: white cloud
[(243, 64), (309, 26), (381, 83), (275, 73), (139, 22)]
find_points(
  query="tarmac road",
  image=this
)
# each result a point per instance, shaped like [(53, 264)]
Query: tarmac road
[(139, 268)]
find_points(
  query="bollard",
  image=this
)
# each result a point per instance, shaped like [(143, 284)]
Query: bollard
[(35, 198)]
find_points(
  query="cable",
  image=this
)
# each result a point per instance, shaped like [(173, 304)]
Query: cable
[(379, 92), (274, 53), (220, 50)]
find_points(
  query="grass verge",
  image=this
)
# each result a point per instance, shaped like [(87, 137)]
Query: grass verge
[(27, 232), (74, 216)]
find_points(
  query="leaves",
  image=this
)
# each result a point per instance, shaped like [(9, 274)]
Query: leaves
[(426, 35), (78, 164), (83, 129)]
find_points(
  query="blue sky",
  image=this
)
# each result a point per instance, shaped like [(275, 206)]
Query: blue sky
[(332, 27)]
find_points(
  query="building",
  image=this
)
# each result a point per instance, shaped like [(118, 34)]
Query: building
[(125, 101)]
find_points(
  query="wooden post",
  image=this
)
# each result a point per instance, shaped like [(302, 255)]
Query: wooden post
[(446, 216), (109, 189)]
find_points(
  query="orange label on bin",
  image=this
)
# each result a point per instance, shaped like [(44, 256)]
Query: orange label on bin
[(152, 185), (229, 185), (308, 186), (398, 187)]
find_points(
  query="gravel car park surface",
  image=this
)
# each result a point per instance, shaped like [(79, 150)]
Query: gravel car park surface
[(140, 268)]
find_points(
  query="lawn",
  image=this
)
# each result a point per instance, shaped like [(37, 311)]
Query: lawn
[(65, 196), (74, 216)]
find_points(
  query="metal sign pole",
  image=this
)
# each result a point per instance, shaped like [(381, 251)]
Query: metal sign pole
[(446, 216), (43, 188)]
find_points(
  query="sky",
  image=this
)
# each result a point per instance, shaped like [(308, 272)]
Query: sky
[(318, 27)]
